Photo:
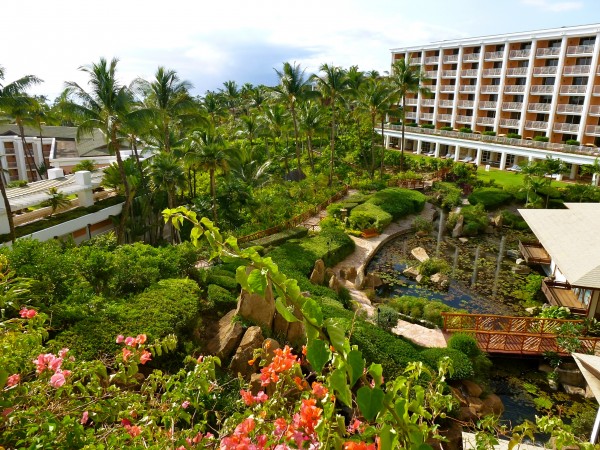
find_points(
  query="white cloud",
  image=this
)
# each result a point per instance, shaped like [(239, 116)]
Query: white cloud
[(554, 6)]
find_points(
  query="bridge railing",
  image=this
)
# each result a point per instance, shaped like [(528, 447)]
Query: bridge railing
[(456, 322)]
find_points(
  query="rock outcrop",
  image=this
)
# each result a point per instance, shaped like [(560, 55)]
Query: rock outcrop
[(256, 308), (318, 274), (252, 339), (228, 337), (420, 254)]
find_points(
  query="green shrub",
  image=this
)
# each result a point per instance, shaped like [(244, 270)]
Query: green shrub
[(422, 224), (421, 308), (490, 198), (514, 221), (572, 142), (446, 195), (220, 299), (513, 136), (488, 133), (412, 124), (226, 282), (462, 368), (334, 210), (465, 130), (464, 343), (433, 265), (398, 202), (358, 198), (446, 128), (541, 138), (281, 237), (369, 215), (387, 317), (16, 183), (428, 126)]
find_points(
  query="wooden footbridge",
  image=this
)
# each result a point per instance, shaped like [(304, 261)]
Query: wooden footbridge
[(517, 335)]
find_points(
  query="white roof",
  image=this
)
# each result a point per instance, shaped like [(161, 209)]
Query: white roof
[(571, 238), (590, 369)]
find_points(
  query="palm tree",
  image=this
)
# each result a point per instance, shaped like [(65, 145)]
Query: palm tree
[(406, 78), (213, 105), (166, 172), (207, 150), (276, 120), (57, 200), (311, 122), (231, 94), (250, 126), (292, 89), (105, 107), (332, 84)]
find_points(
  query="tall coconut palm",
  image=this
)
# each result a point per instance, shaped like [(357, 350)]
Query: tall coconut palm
[(276, 120), (213, 105), (333, 83), (207, 150), (406, 78), (232, 95), (292, 89), (105, 107), (311, 122)]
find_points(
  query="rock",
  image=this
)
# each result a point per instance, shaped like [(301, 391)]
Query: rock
[(296, 334), (492, 404), (318, 274), (420, 254), (514, 254), (489, 230), (571, 377), (467, 414), (545, 368), (422, 234), (521, 270), (463, 240), (473, 389), (453, 435), (458, 228), (334, 284), (520, 261), (256, 386), (359, 279), (476, 403), (329, 272), (280, 325), (372, 281), (588, 392), (256, 308), (228, 337), (252, 339), (342, 274), (440, 280), (573, 390), (419, 278), (459, 396), (532, 310), (411, 272), (498, 221), (351, 274)]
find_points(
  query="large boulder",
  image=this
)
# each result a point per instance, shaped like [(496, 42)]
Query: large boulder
[(420, 254), (372, 281), (269, 346), (351, 274), (334, 284), (253, 339), (329, 272), (440, 280), (492, 404), (228, 337), (458, 228), (318, 274), (471, 388), (257, 309), (498, 221), (411, 272), (296, 334)]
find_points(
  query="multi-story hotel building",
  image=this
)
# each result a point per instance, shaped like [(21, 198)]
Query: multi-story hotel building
[(520, 86)]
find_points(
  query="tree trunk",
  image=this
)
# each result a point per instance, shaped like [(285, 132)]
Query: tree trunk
[(310, 152), (372, 171), (332, 141), (382, 147), (8, 210), (27, 154), (125, 213), (213, 193), (296, 137), (403, 128), (46, 161)]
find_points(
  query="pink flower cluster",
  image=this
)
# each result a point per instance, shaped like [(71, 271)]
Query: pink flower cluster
[(13, 380), (133, 430), (132, 344), (195, 440), (27, 313), (251, 400), (240, 438), (53, 363)]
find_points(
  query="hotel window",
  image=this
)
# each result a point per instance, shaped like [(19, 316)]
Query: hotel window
[(491, 114), (499, 47), (518, 98), (541, 117), (474, 65), (498, 65), (523, 63), (495, 81), (515, 115), (580, 81), (576, 100), (493, 97), (521, 81), (591, 40), (525, 45), (551, 62), (583, 61), (471, 97), (574, 120), (556, 43), (548, 81), (545, 99)]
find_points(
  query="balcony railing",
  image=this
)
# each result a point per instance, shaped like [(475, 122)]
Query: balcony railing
[(427, 116), (431, 59), (580, 50), (490, 89), (565, 108), (517, 72), (596, 91), (468, 88), (576, 70), (448, 73), (411, 115), (488, 105), (415, 61), (592, 130), (492, 72), (536, 125), (446, 103), (534, 253), (512, 106), (428, 102), (464, 119), (566, 127), (469, 73), (545, 70), (539, 107), (411, 101), (494, 55), (431, 74), (518, 54), (542, 89), (594, 110), (550, 51), (450, 58), (447, 87), (444, 117), (514, 88), (561, 294), (486, 120), (578, 89), (510, 123), (471, 57), (465, 103)]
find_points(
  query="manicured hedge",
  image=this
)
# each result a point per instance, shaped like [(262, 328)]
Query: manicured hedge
[(421, 308), (461, 364), (491, 198), (399, 202), (369, 215), (334, 210), (220, 299), (281, 237)]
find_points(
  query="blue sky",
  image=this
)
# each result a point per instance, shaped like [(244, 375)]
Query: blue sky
[(211, 42)]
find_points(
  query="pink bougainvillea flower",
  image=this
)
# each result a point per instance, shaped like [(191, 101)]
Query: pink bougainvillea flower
[(353, 445), (318, 390), (283, 361), (354, 426), (145, 356), (125, 422), (126, 354), (185, 404), (129, 341), (57, 380), (63, 352), (141, 339), (120, 339), (13, 380), (134, 430), (200, 359), (251, 400), (27, 313), (84, 418)]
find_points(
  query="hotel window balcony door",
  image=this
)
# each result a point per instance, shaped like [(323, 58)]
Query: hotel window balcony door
[(580, 81), (583, 295)]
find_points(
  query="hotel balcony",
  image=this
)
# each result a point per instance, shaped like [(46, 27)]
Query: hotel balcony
[(446, 103), (488, 105), (490, 56), (428, 102), (544, 71), (449, 74), (471, 57), (469, 73), (492, 72), (576, 70), (550, 52), (536, 125), (464, 119), (566, 127), (534, 253), (450, 58), (485, 120), (447, 87), (519, 54), (468, 88), (412, 101), (510, 123), (444, 117), (542, 89), (426, 116), (574, 90), (411, 115), (539, 107), (415, 61), (512, 106), (490, 89), (576, 50), (517, 72), (596, 91), (514, 89), (565, 108), (592, 130), (466, 103), (431, 59), (561, 294), (594, 110), (431, 74)]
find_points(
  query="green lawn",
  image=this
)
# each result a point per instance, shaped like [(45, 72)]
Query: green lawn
[(507, 178)]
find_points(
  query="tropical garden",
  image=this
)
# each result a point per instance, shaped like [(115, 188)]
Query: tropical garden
[(105, 344)]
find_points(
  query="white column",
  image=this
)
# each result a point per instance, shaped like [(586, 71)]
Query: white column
[(478, 157), (503, 160), (457, 154), (528, 85), (83, 178), (557, 83), (588, 93), (457, 90), (478, 88), (573, 173), (39, 155), (436, 150), (20, 157), (530, 159), (502, 83), (419, 143), (386, 140)]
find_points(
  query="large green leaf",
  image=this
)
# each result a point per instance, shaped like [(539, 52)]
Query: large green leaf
[(337, 334), (356, 364), (257, 280), (338, 382), (376, 371), (312, 312), (282, 309), (318, 354), (370, 401)]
